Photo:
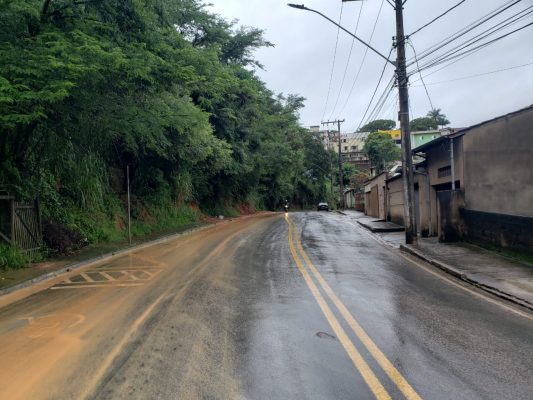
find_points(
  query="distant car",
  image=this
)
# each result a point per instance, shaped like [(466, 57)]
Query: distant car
[(322, 207)]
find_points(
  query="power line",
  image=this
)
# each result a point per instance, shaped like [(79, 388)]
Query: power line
[(475, 75), (333, 64), (421, 78), (449, 64), (436, 18), (468, 52), (363, 59), (347, 62), (376, 89), (465, 30), (378, 107), (488, 32)]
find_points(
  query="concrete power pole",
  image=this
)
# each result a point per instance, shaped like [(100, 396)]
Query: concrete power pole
[(407, 159), (341, 177)]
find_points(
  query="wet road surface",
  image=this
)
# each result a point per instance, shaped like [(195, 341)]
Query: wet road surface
[(304, 306)]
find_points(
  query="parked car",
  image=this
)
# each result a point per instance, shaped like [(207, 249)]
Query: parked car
[(322, 207)]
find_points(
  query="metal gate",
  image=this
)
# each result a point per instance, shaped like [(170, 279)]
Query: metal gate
[(20, 224)]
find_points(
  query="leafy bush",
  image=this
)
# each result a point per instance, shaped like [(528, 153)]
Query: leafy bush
[(11, 258)]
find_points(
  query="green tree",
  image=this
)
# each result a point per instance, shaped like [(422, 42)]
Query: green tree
[(164, 87), (378, 125), (439, 118), (381, 150), (422, 124), (432, 120)]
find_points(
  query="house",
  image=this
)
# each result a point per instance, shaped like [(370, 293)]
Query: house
[(480, 182), (352, 150), (394, 200), (422, 137), (354, 199), (418, 138), (375, 196)]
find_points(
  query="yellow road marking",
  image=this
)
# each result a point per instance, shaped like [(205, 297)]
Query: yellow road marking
[(378, 355), (372, 381)]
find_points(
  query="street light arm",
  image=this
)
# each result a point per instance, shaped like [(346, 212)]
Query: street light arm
[(302, 7)]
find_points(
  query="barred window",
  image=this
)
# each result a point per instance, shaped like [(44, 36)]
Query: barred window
[(444, 171)]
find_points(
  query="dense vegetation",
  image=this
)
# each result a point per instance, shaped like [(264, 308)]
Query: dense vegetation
[(89, 87), (381, 151)]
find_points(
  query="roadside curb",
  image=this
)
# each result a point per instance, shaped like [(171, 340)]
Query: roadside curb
[(464, 277), (340, 212), (378, 230), (103, 257)]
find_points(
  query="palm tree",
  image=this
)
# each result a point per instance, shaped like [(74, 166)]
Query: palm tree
[(439, 118)]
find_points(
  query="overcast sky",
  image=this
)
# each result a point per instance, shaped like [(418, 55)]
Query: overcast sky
[(301, 61)]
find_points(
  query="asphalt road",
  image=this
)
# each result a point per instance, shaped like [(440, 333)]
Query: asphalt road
[(304, 306)]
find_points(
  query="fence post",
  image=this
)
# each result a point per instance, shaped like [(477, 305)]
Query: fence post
[(12, 233), (129, 206), (37, 206)]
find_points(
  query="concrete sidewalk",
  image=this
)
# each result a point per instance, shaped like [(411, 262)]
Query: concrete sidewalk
[(494, 273), (376, 225), (502, 276)]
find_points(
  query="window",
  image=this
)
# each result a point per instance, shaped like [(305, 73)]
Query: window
[(444, 171), (345, 147), (343, 140), (354, 147)]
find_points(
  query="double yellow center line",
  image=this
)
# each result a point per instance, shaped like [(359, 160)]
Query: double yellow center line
[(366, 372)]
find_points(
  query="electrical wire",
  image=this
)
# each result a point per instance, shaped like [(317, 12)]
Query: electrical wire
[(378, 107), (333, 64), (388, 108), (376, 89), (485, 34), (463, 31), (436, 18), (475, 75), (363, 59), (481, 46), (420, 72), (347, 63)]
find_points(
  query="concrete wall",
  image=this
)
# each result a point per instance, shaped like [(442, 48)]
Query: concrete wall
[(371, 207), (498, 159), (506, 231), (395, 210), (498, 174), (439, 157), (395, 203), (451, 227)]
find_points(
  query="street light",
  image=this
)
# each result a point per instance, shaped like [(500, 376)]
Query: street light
[(402, 81), (303, 7)]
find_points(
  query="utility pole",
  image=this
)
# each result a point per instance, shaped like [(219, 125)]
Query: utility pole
[(407, 159), (402, 82), (341, 177), (330, 165)]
